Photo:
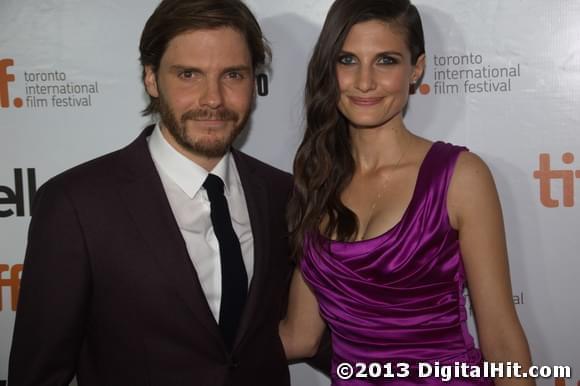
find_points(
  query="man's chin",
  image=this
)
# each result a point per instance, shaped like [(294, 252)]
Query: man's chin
[(208, 149)]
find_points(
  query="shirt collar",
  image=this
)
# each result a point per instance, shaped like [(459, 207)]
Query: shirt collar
[(185, 173)]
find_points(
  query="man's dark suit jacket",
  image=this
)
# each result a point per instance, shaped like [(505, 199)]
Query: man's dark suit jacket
[(109, 292)]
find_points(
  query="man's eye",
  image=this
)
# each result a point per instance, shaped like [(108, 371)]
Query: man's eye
[(346, 59), (186, 74), (234, 75)]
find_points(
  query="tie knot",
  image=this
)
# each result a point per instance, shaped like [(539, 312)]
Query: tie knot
[(213, 184)]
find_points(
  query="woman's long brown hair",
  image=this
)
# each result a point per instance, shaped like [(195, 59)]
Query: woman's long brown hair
[(324, 165)]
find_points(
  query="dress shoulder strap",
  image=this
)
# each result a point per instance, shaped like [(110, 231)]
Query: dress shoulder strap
[(436, 171)]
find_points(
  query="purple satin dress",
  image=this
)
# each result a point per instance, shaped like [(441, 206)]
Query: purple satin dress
[(398, 297)]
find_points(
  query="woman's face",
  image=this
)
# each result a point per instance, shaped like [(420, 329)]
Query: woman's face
[(374, 72)]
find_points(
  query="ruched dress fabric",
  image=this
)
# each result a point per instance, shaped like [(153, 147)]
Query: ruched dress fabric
[(398, 297)]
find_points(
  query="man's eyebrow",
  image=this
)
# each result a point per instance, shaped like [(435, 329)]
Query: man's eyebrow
[(179, 67), (239, 68)]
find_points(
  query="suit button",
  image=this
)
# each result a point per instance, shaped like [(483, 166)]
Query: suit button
[(234, 364)]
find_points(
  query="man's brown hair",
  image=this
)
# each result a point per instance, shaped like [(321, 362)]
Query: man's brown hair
[(173, 17)]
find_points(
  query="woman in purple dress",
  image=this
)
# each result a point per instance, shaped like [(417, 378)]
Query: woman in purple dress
[(388, 227)]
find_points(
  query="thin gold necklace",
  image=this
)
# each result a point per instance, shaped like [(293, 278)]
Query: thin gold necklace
[(388, 178)]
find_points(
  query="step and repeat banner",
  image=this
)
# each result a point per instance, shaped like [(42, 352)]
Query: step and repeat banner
[(502, 77)]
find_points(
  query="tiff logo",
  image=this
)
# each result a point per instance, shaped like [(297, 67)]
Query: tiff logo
[(546, 175), (5, 79), (12, 282), (15, 196)]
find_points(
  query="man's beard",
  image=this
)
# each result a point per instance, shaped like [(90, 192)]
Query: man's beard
[(209, 149)]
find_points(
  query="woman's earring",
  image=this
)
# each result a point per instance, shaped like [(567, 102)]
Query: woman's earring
[(412, 87)]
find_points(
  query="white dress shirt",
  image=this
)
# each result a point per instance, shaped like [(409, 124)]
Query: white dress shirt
[(182, 180)]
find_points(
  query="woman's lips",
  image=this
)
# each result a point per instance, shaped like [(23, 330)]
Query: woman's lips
[(365, 101)]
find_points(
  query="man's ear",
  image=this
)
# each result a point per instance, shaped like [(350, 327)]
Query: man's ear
[(255, 88), (150, 81)]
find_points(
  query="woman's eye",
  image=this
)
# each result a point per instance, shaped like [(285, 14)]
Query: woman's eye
[(346, 59), (386, 60)]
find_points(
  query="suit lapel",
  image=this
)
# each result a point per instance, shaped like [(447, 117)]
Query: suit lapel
[(258, 204), (142, 191)]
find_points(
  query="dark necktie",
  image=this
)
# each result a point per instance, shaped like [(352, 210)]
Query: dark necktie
[(234, 277)]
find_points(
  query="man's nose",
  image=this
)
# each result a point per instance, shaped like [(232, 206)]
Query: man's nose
[(212, 95)]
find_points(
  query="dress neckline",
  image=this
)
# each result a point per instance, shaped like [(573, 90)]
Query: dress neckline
[(405, 213)]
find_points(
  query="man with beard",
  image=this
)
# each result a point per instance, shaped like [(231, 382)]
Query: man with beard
[(165, 263)]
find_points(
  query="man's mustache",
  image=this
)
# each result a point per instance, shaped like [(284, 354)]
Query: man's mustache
[(221, 114)]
